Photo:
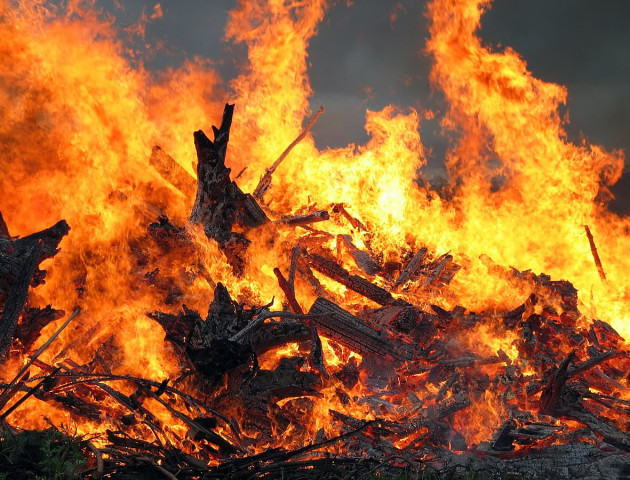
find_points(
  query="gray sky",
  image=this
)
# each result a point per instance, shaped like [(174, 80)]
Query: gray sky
[(582, 44)]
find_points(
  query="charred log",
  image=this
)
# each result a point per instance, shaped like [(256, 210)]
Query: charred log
[(352, 332), (220, 203), (17, 298), (353, 282)]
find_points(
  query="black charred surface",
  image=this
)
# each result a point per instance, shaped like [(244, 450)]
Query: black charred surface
[(4, 230), (33, 321), (15, 252), (17, 298), (220, 204)]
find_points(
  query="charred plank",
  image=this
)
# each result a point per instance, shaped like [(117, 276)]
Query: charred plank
[(412, 267), (350, 331), (353, 282)]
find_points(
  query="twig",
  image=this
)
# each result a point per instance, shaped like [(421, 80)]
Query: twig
[(267, 314), (28, 394), (210, 435), (265, 181), (95, 378), (159, 468), (99, 460), (325, 443), (9, 391), (41, 350), (598, 262)]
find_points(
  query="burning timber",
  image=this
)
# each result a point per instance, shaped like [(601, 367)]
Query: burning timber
[(380, 383)]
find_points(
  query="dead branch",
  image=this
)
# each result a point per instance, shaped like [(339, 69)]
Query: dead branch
[(265, 181), (598, 262)]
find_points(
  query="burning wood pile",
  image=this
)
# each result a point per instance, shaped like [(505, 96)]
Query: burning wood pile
[(385, 382)]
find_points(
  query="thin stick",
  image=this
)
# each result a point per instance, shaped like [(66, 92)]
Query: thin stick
[(598, 262), (28, 394), (9, 392), (159, 468), (265, 181), (43, 348), (99, 460), (91, 378)]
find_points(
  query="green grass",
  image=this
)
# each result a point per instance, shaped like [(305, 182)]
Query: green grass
[(40, 455)]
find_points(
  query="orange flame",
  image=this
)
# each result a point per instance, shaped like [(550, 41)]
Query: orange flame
[(79, 122)]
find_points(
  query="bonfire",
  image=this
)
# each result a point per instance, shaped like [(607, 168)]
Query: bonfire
[(232, 302)]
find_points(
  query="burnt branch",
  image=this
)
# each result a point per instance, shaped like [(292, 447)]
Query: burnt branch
[(265, 181), (412, 267), (288, 291), (598, 262), (350, 331)]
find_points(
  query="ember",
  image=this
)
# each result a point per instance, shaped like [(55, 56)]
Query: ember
[(344, 316)]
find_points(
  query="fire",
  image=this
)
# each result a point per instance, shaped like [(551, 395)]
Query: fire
[(80, 119)]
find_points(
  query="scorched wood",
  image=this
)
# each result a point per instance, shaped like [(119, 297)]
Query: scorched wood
[(362, 259), (412, 267), (352, 332), (17, 298), (220, 203), (4, 230), (353, 282), (14, 252), (316, 216)]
